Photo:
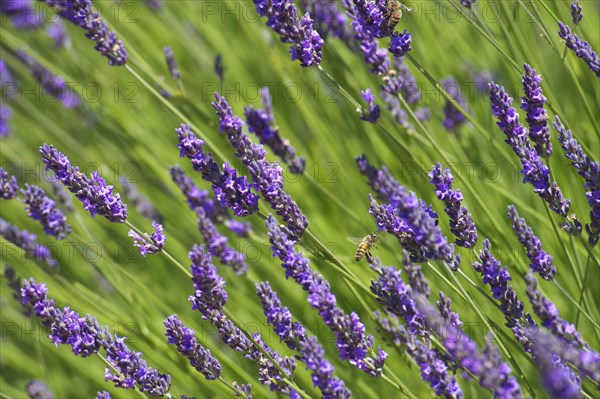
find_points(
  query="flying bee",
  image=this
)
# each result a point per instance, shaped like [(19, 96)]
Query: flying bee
[(364, 247)]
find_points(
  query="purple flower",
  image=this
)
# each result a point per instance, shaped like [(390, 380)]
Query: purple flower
[(53, 85), (153, 4), (533, 103), (209, 287), (218, 66), (149, 244), (580, 47), (433, 365), (26, 241), (103, 395), (141, 203), (400, 43), (467, 3), (534, 171), (5, 115), (373, 16), (58, 32), (453, 118), (371, 114), (576, 12), (86, 337), (240, 229), (197, 198), (171, 63), (96, 196), (41, 207), (294, 336), (8, 185), (38, 390), (557, 377), (488, 366), (266, 177), (79, 12), (497, 277), (22, 14), (410, 221), (261, 122), (200, 357), (375, 56), (589, 170), (461, 224), (217, 244), (550, 316), (541, 262), (283, 19), (209, 298), (328, 18), (230, 190), (62, 195), (132, 369), (352, 343), (396, 297)]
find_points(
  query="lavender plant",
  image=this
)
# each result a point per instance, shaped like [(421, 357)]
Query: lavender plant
[(495, 330)]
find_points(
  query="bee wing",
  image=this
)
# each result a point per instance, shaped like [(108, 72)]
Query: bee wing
[(354, 240)]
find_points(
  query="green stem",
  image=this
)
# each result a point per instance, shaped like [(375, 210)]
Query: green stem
[(585, 280)]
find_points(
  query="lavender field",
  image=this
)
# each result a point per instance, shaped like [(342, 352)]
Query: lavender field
[(305, 199)]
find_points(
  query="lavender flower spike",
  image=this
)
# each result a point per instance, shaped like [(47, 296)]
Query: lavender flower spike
[(38, 390), (103, 395), (261, 122), (217, 244), (8, 185), (461, 224), (533, 103), (373, 16), (80, 13), (400, 43), (149, 244), (534, 170), (209, 287), (453, 118), (141, 203), (373, 112), (488, 366), (53, 85), (580, 47), (86, 337), (96, 196), (430, 361), (541, 262), (283, 19), (41, 207), (27, 242), (230, 190), (576, 13), (353, 345), (200, 358), (549, 314), (589, 170), (556, 379), (209, 298), (294, 336), (171, 63), (267, 177)]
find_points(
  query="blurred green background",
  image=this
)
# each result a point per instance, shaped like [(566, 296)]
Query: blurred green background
[(124, 129)]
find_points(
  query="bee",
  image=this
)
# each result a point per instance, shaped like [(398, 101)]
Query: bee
[(365, 246), (394, 13)]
